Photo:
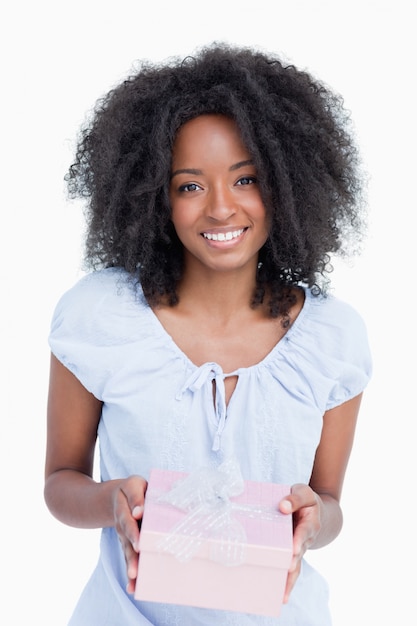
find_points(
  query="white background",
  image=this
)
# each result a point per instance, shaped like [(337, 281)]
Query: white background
[(57, 59)]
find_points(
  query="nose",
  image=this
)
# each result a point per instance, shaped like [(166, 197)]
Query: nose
[(221, 203)]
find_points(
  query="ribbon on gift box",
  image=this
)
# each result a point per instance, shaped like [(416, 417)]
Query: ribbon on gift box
[(205, 495)]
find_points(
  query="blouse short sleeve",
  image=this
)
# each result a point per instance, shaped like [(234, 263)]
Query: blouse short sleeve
[(334, 343), (86, 333)]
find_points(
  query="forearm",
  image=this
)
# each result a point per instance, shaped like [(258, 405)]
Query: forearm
[(331, 521), (77, 500)]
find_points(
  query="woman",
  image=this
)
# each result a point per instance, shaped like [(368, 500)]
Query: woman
[(217, 188)]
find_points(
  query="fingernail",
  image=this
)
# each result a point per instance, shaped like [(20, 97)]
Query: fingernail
[(286, 506), (137, 510)]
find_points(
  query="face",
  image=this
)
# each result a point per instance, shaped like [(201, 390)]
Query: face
[(216, 204)]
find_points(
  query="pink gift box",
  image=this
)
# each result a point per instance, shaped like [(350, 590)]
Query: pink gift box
[(243, 567)]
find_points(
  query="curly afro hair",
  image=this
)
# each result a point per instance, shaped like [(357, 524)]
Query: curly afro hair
[(296, 130)]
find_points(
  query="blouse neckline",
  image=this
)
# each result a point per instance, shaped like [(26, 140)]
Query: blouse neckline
[(277, 348)]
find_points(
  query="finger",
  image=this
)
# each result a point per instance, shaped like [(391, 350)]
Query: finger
[(301, 496), (300, 546), (137, 511), (131, 586), (134, 489), (293, 574), (127, 527), (132, 570), (130, 509), (285, 506), (131, 560)]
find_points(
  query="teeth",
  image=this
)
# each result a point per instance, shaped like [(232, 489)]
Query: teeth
[(224, 236)]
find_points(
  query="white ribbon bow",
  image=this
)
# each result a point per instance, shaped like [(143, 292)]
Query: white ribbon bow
[(205, 495)]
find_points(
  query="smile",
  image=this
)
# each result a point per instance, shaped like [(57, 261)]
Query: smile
[(231, 234)]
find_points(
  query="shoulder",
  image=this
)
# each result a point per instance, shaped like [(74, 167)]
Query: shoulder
[(105, 282), (99, 289), (98, 304), (332, 317)]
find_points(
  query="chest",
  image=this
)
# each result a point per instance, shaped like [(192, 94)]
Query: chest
[(230, 346)]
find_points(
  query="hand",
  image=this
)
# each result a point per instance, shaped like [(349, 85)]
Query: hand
[(128, 503), (305, 505)]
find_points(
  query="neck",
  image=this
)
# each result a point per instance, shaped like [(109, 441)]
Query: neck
[(218, 294)]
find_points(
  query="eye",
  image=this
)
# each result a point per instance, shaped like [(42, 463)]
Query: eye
[(247, 180), (189, 187)]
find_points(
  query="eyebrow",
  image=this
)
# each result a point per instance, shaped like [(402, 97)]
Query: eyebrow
[(236, 166), (196, 172)]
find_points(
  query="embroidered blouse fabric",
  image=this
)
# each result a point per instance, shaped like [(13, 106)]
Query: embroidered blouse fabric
[(158, 412)]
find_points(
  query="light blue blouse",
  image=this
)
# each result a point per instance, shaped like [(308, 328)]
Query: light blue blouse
[(158, 412)]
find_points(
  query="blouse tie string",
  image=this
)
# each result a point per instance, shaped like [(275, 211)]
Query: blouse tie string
[(207, 374)]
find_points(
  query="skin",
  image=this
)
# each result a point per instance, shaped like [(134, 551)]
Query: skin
[(213, 190)]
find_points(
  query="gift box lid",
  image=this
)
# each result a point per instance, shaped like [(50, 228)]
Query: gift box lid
[(262, 535)]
